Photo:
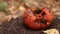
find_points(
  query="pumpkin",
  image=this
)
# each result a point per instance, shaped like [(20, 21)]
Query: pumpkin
[(36, 18)]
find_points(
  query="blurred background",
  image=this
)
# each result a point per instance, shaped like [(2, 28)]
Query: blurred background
[(15, 8)]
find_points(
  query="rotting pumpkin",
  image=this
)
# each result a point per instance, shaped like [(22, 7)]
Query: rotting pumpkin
[(37, 18)]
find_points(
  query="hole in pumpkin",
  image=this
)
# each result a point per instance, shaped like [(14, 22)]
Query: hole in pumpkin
[(43, 14), (43, 21), (38, 11)]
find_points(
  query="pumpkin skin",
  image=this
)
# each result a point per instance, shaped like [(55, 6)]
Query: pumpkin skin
[(36, 18)]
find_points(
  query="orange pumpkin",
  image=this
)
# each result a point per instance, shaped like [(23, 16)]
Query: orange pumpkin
[(36, 18)]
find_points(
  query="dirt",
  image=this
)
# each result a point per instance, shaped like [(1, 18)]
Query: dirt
[(16, 26)]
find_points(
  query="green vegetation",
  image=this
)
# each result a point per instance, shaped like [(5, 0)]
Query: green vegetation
[(21, 1), (3, 5)]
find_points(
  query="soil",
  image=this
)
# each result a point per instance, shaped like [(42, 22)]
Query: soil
[(16, 26)]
